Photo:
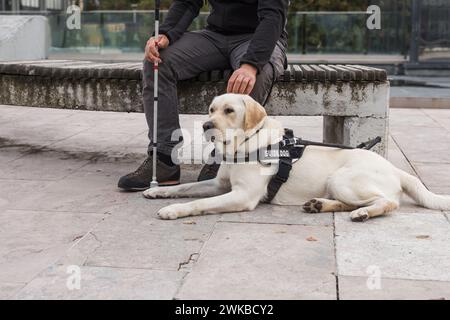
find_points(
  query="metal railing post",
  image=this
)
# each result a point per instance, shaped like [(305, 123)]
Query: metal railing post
[(304, 33), (42, 6), (15, 6), (296, 27), (415, 32)]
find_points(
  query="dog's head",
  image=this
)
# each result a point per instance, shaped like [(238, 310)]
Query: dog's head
[(232, 118)]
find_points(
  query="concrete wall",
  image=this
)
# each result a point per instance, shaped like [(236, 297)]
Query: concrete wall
[(24, 38)]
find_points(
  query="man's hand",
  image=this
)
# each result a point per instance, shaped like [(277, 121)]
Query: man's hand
[(243, 80), (151, 52)]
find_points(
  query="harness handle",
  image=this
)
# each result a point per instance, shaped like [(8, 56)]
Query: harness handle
[(370, 144), (291, 140)]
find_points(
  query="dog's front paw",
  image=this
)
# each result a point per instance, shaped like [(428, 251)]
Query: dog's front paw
[(172, 212), (360, 215), (155, 193), (313, 206)]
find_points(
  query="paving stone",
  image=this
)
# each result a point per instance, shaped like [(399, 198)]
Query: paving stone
[(100, 122), (412, 246), (410, 118), (408, 205), (42, 166), (79, 252), (438, 113), (103, 284), (32, 241), (133, 237), (444, 190), (397, 158), (11, 113), (424, 144), (444, 122), (356, 288), (254, 261), (10, 152), (440, 116), (7, 290), (279, 215), (111, 143), (10, 155), (38, 127), (34, 135), (414, 92), (114, 166), (83, 192), (14, 192), (36, 116), (433, 174)]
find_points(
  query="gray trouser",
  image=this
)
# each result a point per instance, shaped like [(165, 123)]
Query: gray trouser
[(194, 53)]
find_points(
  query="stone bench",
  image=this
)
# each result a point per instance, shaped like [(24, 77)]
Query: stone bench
[(353, 99)]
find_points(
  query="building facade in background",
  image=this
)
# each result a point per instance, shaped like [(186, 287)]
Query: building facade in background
[(33, 5)]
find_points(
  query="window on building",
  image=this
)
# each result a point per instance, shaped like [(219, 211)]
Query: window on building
[(53, 4), (34, 4)]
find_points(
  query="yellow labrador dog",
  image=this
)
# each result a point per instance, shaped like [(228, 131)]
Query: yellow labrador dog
[(323, 180)]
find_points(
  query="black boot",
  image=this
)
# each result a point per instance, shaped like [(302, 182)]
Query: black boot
[(209, 171), (167, 175)]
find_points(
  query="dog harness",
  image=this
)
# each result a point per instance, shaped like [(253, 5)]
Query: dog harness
[(286, 153), (291, 150)]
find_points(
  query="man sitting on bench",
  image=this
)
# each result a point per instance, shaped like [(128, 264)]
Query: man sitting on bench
[(248, 36)]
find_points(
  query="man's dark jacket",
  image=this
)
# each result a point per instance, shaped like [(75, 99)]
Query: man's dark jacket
[(266, 19)]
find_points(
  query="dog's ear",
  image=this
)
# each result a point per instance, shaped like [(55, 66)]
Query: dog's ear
[(254, 113)]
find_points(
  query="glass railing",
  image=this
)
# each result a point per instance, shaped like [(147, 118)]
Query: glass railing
[(309, 32), (434, 42), (346, 32)]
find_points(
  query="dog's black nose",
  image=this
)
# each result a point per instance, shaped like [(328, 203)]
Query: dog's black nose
[(209, 125)]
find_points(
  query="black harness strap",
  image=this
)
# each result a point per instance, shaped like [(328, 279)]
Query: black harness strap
[(285, 166), (296, 147), (279, 179)]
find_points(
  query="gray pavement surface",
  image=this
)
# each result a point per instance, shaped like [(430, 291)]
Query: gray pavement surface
[(67, 232), (421, 92), (438, 81)]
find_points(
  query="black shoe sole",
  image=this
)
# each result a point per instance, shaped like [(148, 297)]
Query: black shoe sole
[(169, 183)]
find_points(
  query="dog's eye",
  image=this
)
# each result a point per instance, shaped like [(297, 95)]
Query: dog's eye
[(211, 110), (229, 110)]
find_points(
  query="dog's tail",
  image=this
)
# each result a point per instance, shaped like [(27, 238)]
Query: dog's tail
[(413, 187)]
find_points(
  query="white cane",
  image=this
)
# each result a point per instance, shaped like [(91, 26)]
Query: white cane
[(154, 182)]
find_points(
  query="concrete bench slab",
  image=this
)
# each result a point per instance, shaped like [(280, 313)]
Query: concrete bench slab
[(353, 99)]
